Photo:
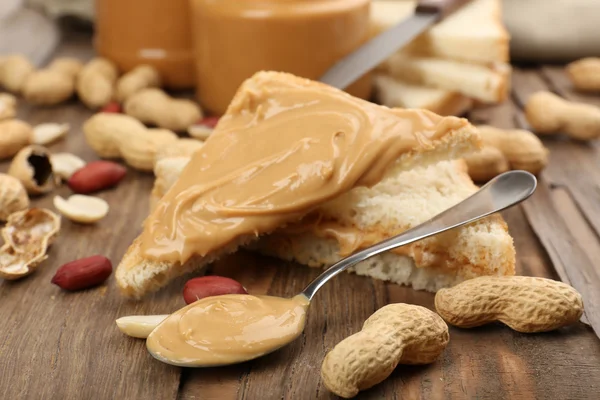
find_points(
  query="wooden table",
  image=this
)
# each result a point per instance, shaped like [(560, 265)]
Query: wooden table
[(59, 345)]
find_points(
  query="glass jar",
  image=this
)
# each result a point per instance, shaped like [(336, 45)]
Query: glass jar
[(233, 39), (155, 32)]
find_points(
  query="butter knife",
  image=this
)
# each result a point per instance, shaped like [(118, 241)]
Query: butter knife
[(375, 51)]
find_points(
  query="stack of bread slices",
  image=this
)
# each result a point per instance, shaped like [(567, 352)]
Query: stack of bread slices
[(459, 62), (420, 184)]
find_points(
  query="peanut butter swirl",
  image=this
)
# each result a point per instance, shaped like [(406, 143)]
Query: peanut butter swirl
[(285, 146), (228, 329)]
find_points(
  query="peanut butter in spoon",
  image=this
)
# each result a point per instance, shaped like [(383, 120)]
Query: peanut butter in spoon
[(227, 329)]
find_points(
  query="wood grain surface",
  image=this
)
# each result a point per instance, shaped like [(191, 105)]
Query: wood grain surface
[(58, 345)]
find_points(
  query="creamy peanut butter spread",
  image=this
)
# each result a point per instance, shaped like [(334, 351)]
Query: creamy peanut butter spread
[(285, 146), (228, 329)]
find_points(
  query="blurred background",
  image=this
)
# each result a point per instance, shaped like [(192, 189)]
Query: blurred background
[(541, 30)]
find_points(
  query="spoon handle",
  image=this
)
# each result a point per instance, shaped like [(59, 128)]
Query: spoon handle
[(502, 192)]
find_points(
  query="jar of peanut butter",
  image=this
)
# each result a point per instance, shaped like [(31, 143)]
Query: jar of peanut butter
[(233, 39), (155, 32)]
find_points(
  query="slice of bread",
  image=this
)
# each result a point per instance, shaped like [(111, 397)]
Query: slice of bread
[(474, 33), (489, 84), (137, 275), (393, 92), (400, 201)]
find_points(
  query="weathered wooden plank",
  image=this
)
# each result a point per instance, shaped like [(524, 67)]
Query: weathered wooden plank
[(68, 342), (487, 363), (565, 249), (567, 161), (66, 345), (568, 158), (576, 166)]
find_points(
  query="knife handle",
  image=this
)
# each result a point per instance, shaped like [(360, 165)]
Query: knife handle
[(441, 7)]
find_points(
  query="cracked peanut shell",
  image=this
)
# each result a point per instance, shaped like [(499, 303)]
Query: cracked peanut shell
[(27, 236), (13, 196), (33, 168)]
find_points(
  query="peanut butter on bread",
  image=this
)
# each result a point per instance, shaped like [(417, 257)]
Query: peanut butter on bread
[(285, 146)]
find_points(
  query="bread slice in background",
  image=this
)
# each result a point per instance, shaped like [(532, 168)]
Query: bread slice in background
[(393, 93), (467, 53), (137, 275), (475, 33), (400, 201), (488, 84)]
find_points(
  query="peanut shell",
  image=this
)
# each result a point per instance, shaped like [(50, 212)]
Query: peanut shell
[(395, 334), (33, 168), (13, 196), (27, 236), (523, 303), (14, 135)]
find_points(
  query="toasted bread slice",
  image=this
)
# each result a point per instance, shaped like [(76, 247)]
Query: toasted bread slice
[(400, 201), (393, 92), (137, 275), (475, 33)]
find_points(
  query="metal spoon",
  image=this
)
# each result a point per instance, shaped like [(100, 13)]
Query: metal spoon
[(500, 193)]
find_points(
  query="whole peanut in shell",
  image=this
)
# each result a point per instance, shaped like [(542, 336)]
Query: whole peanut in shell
[(524, 303), (96, 83), (54, 84), (153, 106), (548, 113), (585, 74), (394, 334), (14, 71)]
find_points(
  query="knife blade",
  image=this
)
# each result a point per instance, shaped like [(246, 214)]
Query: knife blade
[(351, 67)]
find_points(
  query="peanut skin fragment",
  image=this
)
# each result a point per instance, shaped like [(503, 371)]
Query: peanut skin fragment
[(395, 334), (523, 303)]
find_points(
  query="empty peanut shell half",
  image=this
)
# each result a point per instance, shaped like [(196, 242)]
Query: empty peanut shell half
[(64, 165), (81, 208), (32, 167), (27, 236), (44, 134)]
